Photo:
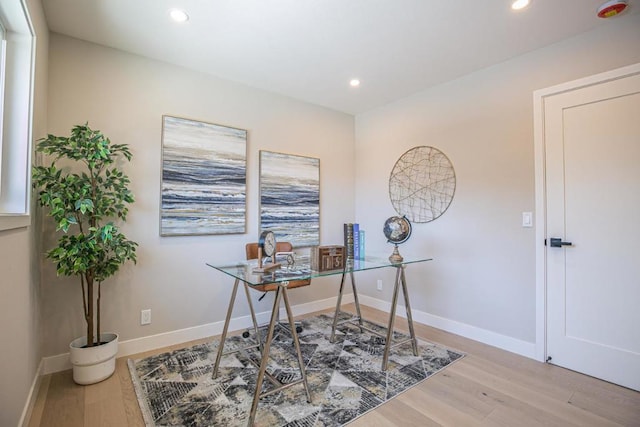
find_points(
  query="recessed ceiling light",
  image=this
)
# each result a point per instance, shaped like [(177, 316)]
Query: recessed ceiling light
[(354, 82), (519, 4), (178, 15)]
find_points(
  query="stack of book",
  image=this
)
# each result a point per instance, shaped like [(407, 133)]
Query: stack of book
[(354, 240)]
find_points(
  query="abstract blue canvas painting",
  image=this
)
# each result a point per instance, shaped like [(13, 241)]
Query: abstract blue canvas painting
[(290, 197), (204, 174)]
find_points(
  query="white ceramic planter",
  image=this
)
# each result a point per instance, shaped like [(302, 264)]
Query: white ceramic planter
[(93, 364)]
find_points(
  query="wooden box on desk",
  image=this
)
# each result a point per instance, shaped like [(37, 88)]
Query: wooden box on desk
[(328, 257)]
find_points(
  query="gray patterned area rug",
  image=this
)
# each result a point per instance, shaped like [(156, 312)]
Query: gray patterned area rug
[(345, 378)]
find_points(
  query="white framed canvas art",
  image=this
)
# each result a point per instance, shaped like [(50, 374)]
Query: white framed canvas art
[(204, 174)]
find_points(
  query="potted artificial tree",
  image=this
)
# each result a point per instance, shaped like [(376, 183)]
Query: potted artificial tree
[(83, 198)]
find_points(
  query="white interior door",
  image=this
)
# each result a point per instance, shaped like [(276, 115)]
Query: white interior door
[(592, 185)]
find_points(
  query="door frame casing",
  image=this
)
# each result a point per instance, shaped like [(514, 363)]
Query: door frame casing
[(539, 97)]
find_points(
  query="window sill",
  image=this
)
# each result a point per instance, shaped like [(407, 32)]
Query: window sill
[(13, 221)]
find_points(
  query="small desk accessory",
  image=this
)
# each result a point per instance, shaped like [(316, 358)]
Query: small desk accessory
[(266, 248)]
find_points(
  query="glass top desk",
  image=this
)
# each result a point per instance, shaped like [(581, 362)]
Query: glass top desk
[(242, 272)]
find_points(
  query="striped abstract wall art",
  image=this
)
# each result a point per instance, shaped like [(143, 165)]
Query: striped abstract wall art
[(204, 174), (290, 197)]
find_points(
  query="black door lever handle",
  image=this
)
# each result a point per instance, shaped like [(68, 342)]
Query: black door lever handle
[(556, 242)]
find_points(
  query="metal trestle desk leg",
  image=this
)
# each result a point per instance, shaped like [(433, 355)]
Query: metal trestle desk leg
[(225, 329), (281, 293), (399, 282), (357, 317)]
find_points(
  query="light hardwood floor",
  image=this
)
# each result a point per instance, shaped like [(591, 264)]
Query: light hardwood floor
[(488, 387)]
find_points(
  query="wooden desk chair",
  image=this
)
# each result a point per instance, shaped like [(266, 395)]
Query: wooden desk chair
[(252, 253)]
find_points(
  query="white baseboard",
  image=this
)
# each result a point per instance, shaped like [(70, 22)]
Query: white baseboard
[(503, 342), (31, 397), (61, 362), (138, 345)]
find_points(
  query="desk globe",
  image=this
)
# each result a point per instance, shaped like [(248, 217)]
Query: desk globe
[(397, 229)]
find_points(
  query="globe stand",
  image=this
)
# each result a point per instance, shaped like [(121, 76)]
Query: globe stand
[(395, 256)]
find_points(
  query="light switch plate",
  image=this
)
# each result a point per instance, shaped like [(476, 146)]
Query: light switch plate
[(527, 219)]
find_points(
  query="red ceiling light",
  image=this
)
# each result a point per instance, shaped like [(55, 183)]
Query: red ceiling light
[(611, 8)]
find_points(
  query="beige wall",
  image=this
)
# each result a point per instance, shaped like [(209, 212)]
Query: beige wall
[(483, 276), (19, 300), (125, 96), (19, 333)]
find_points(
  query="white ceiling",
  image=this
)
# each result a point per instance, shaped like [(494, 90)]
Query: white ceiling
[(310, 49)]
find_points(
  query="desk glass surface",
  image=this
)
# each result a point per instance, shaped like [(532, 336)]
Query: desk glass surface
[(243, 270)]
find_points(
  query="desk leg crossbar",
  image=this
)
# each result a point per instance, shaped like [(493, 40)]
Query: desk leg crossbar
[(389, 344), (281, 294)]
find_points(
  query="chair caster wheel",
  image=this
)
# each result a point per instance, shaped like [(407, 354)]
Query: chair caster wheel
[(245, 334)]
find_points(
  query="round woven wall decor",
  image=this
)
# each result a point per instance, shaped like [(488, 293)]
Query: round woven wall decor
[(422, 184)]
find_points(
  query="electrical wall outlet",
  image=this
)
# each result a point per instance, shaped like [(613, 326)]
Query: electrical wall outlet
[(379, 285), (145, 317)]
